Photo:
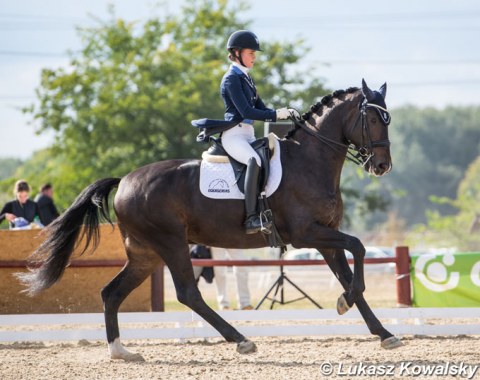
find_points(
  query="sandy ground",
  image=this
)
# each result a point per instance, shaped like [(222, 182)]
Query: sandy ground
[(277, 358)]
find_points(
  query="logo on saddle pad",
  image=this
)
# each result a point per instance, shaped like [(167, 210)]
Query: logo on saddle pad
[(218, 186)]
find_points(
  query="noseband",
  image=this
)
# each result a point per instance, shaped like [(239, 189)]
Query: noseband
[(359, 155)]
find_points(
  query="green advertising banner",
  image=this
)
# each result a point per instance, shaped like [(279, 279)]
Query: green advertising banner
[(446, 280)]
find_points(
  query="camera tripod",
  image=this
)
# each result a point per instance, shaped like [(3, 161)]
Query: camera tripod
[(278, 286)]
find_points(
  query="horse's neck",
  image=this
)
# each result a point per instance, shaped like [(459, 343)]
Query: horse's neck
[(326, 158), (332, 121)]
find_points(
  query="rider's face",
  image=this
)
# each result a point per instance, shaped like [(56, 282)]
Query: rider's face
[(248, 57)]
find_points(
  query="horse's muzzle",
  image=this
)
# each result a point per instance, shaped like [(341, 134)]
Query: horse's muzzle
[(380, 168)]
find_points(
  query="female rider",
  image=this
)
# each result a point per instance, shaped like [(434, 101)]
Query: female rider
[(242, 102)]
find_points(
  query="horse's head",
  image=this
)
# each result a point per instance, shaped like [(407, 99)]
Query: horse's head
[(370, 133)]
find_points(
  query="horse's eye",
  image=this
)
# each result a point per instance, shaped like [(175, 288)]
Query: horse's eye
[(373, 120)]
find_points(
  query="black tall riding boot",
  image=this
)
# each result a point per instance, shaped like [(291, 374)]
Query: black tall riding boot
[(252, 223)]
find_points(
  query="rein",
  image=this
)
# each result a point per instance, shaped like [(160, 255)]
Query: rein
[(358, 155)]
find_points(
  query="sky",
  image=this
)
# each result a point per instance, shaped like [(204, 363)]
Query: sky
[(426, 50)]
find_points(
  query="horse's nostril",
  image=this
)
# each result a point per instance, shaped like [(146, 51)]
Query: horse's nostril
[(383, 166)]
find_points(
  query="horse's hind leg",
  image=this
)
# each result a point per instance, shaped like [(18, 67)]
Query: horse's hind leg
[(141, 263), (338, 263), (175, 253)]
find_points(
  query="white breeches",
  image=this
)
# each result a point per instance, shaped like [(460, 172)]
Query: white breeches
[(236, 142), (240, 274)]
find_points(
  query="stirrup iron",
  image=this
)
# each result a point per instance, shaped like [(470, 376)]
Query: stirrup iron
[(266, 218)]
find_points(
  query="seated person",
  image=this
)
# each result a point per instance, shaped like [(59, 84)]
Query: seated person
[(20, 207)]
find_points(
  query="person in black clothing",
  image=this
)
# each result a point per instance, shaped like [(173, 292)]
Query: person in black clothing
[(46, 207), (21, 206)]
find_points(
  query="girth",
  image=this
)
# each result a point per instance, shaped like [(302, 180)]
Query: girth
[(261, 146)]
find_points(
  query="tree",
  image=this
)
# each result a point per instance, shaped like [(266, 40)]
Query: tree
[(431, 150), (128, 97), (461, 230), (8, 166)]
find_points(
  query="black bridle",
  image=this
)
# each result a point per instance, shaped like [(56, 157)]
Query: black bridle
[(359, 155)]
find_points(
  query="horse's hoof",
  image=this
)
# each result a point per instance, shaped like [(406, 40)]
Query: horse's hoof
[(392, 342), (118, 352), (342, 305), (246, 347)]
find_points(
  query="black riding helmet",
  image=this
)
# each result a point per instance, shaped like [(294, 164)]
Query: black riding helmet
[(242, 39)]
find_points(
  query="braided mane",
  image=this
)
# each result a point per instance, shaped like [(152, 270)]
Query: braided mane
[(325, 101)]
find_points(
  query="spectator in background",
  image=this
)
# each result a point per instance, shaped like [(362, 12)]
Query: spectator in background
[(241, 277), (21, 211), (199, 251), (46, 207)]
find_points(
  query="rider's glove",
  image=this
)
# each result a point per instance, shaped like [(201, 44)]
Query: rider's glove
[(294, 113), (283, 113)]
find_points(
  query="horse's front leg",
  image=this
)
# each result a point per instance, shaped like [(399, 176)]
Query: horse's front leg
[(322, 237), (338, 263)]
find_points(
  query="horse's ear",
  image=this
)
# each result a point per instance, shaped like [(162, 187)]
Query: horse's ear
[(366, 91), (383, 90)]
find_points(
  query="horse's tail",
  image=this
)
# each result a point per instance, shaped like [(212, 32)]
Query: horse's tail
[(48, 262)]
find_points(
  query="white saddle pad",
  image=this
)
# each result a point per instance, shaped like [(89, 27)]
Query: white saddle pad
[(217, 180)]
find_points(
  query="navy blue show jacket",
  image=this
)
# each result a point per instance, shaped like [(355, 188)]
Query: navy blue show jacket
[(242, 104), (241, 98)]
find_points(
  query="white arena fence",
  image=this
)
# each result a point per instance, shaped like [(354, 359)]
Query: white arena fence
[(256, 323)]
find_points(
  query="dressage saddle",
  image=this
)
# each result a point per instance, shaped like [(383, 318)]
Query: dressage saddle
[(261, 146)]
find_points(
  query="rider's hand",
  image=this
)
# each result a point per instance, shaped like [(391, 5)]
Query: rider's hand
[(294, 113), (283, 114)]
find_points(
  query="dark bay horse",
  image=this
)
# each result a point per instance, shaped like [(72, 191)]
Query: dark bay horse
[(160, 210)]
